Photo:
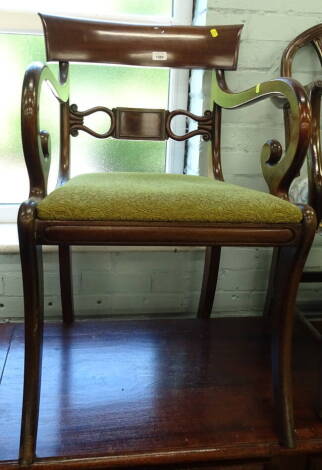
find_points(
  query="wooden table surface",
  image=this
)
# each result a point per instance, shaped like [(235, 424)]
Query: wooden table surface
[(181, 391)]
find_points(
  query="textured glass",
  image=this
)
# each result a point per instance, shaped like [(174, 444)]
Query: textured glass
[(16, 52), (95, 85), (112, 87)]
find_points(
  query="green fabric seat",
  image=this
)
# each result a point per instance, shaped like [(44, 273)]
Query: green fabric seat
[(162, 197)]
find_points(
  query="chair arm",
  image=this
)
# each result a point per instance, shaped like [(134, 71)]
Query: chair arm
[(36, 142), (314, 156), (279, 169)]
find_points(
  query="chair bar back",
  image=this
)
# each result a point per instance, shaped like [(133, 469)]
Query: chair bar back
[(83, 40)]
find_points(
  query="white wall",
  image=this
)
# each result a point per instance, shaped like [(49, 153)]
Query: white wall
[(133, 282)]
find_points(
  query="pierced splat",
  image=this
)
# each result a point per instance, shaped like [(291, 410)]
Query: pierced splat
[(141, 124), (205, 125), (76, 121)]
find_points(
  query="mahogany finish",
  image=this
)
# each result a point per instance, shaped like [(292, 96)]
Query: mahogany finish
[(140, 124), (82, 40), (311, 36), (314, 161), (123, 233), (124, 394), (278, 169), (209, 281), (98, 41)]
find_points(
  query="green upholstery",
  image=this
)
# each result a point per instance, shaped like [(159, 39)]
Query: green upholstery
[(162, 197)]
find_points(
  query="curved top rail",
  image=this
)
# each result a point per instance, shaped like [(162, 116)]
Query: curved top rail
[(313, 35), (84, 40)]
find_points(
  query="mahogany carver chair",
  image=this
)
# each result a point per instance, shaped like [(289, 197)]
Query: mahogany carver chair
[(309, 188), (162, 209)]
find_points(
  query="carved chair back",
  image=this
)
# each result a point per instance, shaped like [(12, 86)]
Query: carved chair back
[(311, 36), (80, 40), (213, 47)]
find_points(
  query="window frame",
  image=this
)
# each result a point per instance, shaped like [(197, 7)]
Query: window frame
[(27, 22)]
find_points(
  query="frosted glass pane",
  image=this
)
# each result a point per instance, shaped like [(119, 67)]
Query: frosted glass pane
[(16, 52), (90, 86), (113, 87)]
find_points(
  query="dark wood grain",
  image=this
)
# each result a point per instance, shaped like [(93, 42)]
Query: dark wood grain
[(109, 233), (279, 169), (314, 159), (38, 161), (33, 288), (209, 281), (189, 391), (81, 40), (313, 37)]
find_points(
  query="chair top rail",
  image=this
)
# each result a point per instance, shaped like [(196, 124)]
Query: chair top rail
[(85, 40), (313, 35)]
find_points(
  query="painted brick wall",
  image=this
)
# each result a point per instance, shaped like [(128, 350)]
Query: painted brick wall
[(268, 28), (157, 281), (127, 283), (133, 282)]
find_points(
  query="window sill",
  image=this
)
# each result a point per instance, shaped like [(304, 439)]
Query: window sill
[(9, 244)]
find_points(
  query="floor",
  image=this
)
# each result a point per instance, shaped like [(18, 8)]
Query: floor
[(132, 391)]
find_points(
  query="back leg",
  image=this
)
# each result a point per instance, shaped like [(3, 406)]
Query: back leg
[(209, 281), (269, 301)]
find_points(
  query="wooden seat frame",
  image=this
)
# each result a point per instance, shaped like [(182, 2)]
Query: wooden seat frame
[(311, 36), (188, 47)]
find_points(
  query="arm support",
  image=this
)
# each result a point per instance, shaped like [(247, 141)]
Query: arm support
[(279, 169), (36, 143)]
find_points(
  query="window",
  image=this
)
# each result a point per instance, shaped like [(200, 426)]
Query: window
[(21, 43)]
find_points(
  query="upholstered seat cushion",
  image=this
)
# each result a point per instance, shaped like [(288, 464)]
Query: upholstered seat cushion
[(162, 197)]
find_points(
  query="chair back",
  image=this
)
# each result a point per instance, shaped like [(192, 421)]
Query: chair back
[(314, 89), (82, 40)]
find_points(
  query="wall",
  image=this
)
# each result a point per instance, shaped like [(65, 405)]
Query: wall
[(114, 282), (134, 282), (268, 28), (126, 282)]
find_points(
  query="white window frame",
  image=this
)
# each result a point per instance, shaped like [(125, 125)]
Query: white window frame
[(23, 21)]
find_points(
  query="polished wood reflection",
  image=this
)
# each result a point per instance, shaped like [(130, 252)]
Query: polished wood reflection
[(128, 391)]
